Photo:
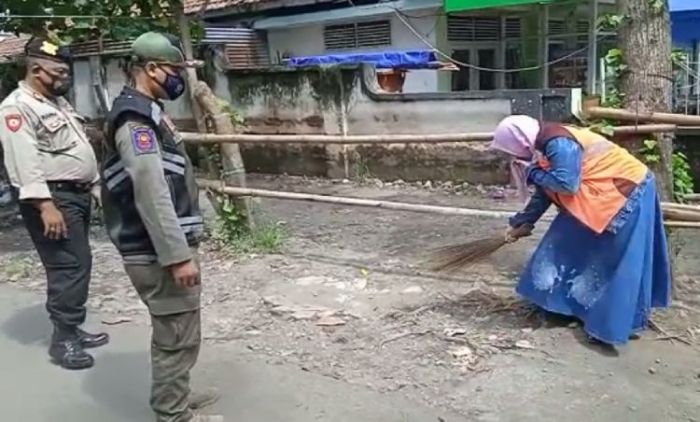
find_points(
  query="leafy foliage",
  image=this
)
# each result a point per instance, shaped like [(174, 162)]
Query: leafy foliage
[(650, 152), (69, 21), (232, 234)]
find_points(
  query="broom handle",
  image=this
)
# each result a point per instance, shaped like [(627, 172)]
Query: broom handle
[(523, 230)]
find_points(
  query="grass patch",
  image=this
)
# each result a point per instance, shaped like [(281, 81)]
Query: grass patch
[(17, 269), (231, 232)]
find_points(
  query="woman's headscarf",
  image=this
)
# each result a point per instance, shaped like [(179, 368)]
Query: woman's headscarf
[(515, 135)]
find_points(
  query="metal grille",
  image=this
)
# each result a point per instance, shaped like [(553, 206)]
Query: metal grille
[(471, 28), (582, 27), (94, 48), (557, 27), (514, 27), (357, 35), (244, 48)]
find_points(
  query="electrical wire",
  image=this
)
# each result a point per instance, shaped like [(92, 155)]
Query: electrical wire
[(487, 69)]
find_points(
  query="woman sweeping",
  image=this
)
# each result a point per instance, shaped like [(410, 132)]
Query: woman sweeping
[(604, 258)]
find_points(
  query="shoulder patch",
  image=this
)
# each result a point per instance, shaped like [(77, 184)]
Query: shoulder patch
[(13, 121), (143, 139)]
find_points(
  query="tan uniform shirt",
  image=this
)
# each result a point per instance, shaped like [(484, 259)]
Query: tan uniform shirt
[(43, 140)]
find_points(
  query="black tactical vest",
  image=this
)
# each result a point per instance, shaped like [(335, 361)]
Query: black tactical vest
[(124, 223)]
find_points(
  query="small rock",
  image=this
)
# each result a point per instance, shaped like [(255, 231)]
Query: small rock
[(632, 408), (526, 330), (330, 321), (652, 370), (573, 325), (304, 314), (658, 361), (412, 289), (428, 184), (462, 352), (524, 344), (479, 389), (452, 332), (611, 374), (115, 320), (345, 181)]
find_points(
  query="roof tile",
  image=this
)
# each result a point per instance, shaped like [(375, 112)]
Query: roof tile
[(12, 46), (195, 6)]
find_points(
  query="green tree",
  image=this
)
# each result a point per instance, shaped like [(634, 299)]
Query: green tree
[(69, 21)]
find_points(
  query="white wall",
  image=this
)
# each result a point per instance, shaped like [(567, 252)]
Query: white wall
[(308, 41), (85, 100)]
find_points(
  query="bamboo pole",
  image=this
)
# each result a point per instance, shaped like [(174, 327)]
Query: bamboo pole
[(644, 129), (681, 207), (202, 138), (338, 200), (682, 224), (390, 205), (627, 115), (681, 215)]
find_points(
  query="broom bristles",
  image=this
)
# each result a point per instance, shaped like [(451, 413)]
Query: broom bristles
[(456, 257)]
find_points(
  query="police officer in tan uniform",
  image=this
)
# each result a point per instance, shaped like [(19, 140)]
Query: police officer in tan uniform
[(151, 209), (52, 167)]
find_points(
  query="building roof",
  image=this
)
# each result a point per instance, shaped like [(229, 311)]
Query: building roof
[(12, 46), (195, 6)]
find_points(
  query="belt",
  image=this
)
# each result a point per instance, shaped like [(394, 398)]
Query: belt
[(69, 186)]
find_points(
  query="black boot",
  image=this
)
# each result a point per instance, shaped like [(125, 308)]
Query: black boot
[(67, 351), (88, 340)]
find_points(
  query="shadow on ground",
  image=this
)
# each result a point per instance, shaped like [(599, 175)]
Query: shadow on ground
[(30, 325), (119, 383)]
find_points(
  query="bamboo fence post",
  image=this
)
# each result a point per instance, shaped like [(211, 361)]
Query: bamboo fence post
[(642, 116), (679, 218), (232, 162), (200, 138)]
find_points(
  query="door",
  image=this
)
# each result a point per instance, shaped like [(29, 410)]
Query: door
[(472, 79)]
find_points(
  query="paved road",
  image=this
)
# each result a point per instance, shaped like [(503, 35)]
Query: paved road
[(116, 389)]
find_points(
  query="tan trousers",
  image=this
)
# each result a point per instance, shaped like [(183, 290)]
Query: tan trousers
[(175, 341)]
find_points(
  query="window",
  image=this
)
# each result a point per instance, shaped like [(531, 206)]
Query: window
[(473, 28), (357, 35), (557, 28), (514, 28)]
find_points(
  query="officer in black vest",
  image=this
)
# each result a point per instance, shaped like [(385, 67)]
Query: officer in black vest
[(151, 209)]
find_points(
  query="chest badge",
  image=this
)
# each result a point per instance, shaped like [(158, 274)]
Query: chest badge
[(13, 122)]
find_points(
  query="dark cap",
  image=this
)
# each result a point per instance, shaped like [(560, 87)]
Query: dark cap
[(45, 49), (160, 47)]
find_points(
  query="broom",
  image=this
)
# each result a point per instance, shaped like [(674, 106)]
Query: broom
[(456, 257)]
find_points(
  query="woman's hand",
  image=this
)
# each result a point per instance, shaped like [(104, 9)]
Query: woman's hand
[(509, 238), (512, 234)]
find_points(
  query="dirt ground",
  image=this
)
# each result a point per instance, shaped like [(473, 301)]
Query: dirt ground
[(347, 298)]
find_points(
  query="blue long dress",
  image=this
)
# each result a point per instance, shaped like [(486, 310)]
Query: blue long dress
[(609, 281)]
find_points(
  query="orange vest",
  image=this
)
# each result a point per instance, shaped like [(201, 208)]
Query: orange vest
[(609, 174)]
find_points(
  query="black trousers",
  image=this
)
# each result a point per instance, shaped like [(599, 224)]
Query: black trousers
[(68, 261)]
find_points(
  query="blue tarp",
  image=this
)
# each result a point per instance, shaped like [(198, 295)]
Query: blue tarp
[(684, 5), (420, 59), (685, 26)]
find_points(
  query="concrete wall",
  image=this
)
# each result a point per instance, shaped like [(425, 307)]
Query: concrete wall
[(84, 98), (337, 102), (346, 101)]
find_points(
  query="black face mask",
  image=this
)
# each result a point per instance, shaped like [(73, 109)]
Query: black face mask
[(58, 86), (173, 85)]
